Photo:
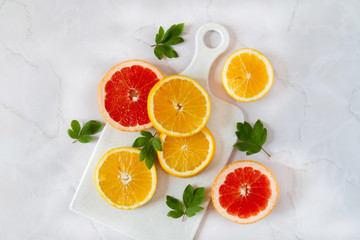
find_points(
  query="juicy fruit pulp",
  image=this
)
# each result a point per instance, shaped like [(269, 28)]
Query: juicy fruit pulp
[(247, 75), (178, 106), (125, 99), (123, 94), (245, 192), (187, 156), (122, 180)]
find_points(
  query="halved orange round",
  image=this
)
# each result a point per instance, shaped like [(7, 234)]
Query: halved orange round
[(123, 181), (247, 75), (123, 94), (178, 106), (186, 156), (245, 192)]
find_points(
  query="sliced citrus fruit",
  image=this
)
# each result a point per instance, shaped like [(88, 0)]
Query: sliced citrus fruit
[(186, 156), (123, 94), (178, 106), (247, 75), (122, 180), (245, 192)]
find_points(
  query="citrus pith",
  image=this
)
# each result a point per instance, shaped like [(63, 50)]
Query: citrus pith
[(247, 75), (245, 192), (187, 156), (123, 93), (123, 181), (178, 106)]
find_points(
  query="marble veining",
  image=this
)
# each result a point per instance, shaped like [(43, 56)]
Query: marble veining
[(54, 53)]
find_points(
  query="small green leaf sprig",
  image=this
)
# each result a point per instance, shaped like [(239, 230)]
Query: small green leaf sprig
[(165, 40), (251, 139), (192, 198), (83, 134), (149, 143)]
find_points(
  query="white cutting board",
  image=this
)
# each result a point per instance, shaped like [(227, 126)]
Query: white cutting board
[(150, 222)]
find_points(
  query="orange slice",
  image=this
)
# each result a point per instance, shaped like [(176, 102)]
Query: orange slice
[(123, 94), (245, 192), (123, 181), (247, 75), (187, 156), (178, 106)]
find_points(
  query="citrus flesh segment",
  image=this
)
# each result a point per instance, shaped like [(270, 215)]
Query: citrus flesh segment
[(178, 106), (245, 192), (247, 75), (123, 181), (123, 94), (187, 156)]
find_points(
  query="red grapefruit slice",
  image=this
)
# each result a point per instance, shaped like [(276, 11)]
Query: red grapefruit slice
[(245, 192), (123, 94)]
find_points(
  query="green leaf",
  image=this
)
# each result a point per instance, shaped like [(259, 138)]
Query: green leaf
[(85, 139), (158, 51), (192, 199), (149, 162), (83, 134), (241, 146), (144, 152), (168, 34), (164, 50), (75, 125), (253, 147), (193, 210), (249, 152), (243, 132), (160, 35), (91, 127), (251, 139), (173, 32), (174, 203), (146, 134), (148, 152), (164, 40), (263, 137), (175, 214), (157, 143), (199, 197), (247, 127), (72, 134), (174, 41), (258, 128), (177, 30), (140, 141), (151, 157), (188, 195), (169, 52)]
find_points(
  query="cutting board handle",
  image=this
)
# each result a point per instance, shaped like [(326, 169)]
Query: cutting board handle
[(204, 56)]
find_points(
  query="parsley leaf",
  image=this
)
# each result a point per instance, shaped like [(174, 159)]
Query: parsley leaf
[(174, 203), (193, 210), (192, 198), (165, 40), (83, 134), (251, 139), (150, 144)]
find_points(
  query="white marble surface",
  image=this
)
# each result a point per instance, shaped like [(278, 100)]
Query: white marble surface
[(54, 53)]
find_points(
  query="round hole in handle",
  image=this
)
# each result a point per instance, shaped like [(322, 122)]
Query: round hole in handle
[(212, 39)]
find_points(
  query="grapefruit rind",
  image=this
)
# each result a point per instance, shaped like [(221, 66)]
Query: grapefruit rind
[(198, 169), (152, 117), (102, 93), (220, 179), (103, 195), (268, 67)]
